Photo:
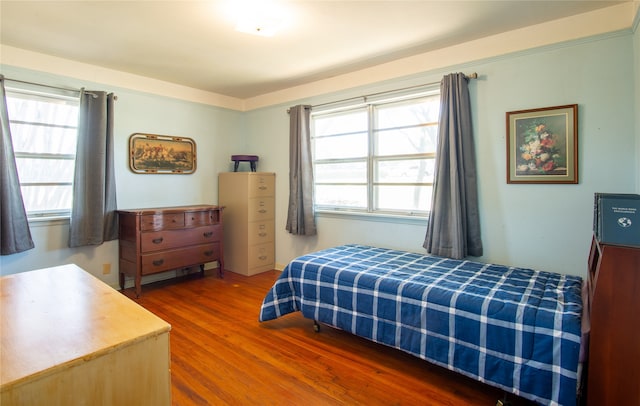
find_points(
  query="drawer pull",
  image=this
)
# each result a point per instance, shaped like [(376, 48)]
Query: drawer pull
[(208, 253), (157, 240), (262, 187), (158, 262), (208, 234), (262, 234), (262, 211), (262, 257)]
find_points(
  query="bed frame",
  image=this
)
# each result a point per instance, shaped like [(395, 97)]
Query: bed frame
[(513, 328)]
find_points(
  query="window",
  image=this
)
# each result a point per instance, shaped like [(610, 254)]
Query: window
[(378, 157), (44, 133)]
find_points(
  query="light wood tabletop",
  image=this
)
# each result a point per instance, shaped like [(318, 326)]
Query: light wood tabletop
[(56, 319)]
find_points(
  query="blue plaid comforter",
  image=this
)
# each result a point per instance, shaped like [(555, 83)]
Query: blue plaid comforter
[(513, 328)]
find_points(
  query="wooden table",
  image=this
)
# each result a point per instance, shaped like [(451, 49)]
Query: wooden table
[(67, 338)]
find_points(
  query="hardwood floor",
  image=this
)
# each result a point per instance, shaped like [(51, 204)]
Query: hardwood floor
[(221, 354)]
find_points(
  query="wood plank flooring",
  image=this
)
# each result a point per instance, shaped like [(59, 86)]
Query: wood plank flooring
[(222, 355)]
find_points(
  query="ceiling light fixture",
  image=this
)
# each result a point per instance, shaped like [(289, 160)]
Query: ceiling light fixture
[(258, 25), (259, 17)]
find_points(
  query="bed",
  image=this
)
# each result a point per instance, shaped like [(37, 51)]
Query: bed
[(513, 328)]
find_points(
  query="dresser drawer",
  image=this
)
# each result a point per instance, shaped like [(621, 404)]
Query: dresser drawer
[(201, 218), (261, 185), (149, 222), (262, 255), (179, 258), (260, 208), (168, 239), (260, 232)]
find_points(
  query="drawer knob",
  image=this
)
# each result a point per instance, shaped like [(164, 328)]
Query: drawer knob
[(158, 262), (208, 253), (157, 240), (208, 234)]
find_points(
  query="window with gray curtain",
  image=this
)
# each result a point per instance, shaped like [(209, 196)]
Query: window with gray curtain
[(454, 224), (63, 163), (15, 235)]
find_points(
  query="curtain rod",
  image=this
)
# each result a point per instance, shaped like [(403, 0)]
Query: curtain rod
[(473, 75), (66, 89)]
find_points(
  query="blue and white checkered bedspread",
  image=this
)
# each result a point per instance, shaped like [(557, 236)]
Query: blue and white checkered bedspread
[(513, 328)]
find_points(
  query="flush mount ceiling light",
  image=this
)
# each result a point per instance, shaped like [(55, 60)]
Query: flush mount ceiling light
[(258, 25), (259, 17)]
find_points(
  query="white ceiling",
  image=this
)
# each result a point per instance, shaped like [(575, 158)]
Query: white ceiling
[(193, 43)]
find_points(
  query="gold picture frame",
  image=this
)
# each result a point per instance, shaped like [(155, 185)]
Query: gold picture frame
[(157, 154), (542, 145)]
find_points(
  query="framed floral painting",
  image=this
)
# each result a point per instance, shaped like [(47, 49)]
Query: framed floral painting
[(542, 145)]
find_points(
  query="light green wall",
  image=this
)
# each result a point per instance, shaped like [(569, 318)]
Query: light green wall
[(547, 227), (636, 54)]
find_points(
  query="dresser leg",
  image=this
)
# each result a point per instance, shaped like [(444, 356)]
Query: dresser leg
[(138, 285)]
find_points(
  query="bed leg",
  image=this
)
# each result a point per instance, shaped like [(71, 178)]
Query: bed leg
[(316, 326), (504, 401)]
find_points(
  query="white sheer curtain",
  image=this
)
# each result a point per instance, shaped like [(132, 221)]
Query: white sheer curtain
[(454, 223)]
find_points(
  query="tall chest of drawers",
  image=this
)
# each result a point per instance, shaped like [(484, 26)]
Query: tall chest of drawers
[(154, 240), (249, 201)]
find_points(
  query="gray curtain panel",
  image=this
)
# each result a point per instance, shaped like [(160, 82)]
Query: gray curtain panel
[(93, 214), (454, 224), (15, 235), (300, 217)]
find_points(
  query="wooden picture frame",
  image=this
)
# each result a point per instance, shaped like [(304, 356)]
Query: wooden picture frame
[(542, 145), (151, 153)]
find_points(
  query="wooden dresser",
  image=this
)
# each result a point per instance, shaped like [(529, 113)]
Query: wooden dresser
[(68, 338), (156, 240), (249, 200), (614, 343)]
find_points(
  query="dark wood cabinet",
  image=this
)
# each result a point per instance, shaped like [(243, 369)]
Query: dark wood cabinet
[(614, 344), (156, 240)]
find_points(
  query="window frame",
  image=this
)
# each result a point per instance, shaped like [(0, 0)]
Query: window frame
[(34, 93), (372, 159)]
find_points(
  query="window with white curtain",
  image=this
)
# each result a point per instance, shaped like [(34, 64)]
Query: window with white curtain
[(44, 134), (377, 156)]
